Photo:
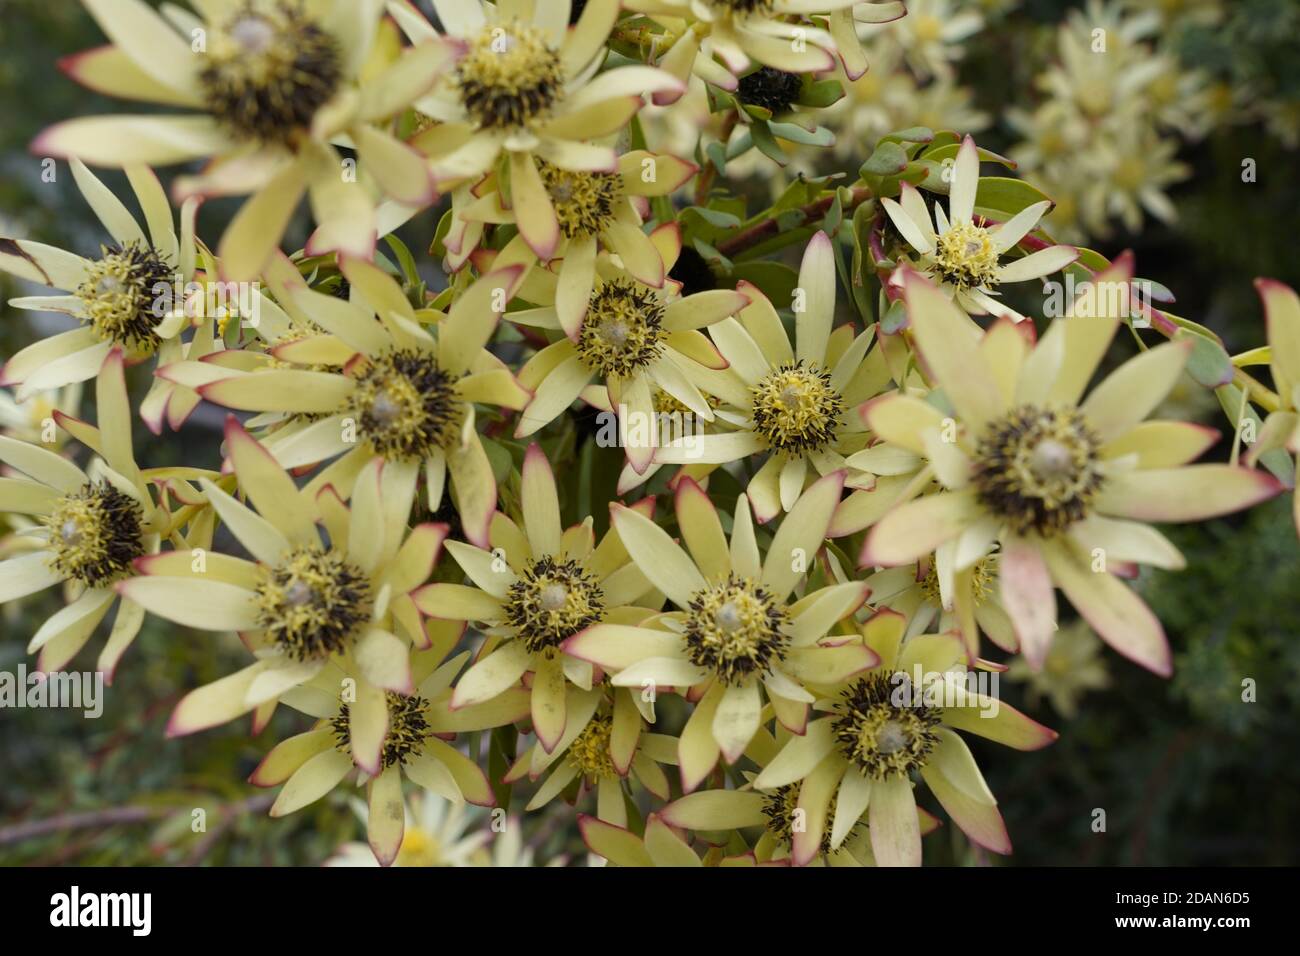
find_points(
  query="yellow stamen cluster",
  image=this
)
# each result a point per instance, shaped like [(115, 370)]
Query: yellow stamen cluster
[(736, 629), (406, 405), (966, 257), (408, 728), (119, 293), (584, 202), (313, 603), (551, 601), (268, 69), (623, 330), (779, 807), (796, 409), (984, 575), (510, 76), (1038, 469), (95, 534), (419, 848), (589, 752), (883, 739)]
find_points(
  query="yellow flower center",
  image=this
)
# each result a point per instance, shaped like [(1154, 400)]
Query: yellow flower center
[(1094, 98), (783, 822), (983, 577), (584, 202), (509, 77), (119, 292), (736, 629), (95, 534), (406, 406), (796, 409), (1130, 174), (551, 601), (408, 728), (589, 752), (623, 330), (884, 739), (419, 848), (1038, 469), (268, 69), (313, 603), (966, 257), (928, 28)]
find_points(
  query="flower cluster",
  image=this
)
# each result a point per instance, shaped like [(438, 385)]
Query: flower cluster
[(742, 619)]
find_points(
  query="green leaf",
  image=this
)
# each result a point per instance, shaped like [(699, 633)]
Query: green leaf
[(1208, 364), (913, 134), (895, 318), (863, 273), (776, 280), (1004, 196), (889, 159), (767, 144), (821, 94), (938, 152), (818, 136)]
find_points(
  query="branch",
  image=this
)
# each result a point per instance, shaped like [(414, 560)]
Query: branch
[(768, 228), (80, 821)]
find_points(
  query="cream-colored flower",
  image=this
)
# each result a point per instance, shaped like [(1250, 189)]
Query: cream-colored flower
[(881, 728), (783, 34), (272, 85), (633, 346), (794, 401), (534, 588), (962, 252), (398, 392), (736, 631), (1063, 484), (124, 298), (404, 734), (525, 88), (94, 526)]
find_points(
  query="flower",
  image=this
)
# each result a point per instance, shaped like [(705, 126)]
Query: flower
[(435, 834), (536, 588), (32, 419), (528, 89), (639, 342), (966, 603), (1282, 427), (122, 298), (1063, 485), (305, 605), (1074, 666), (96, 524), (881, 728), (398, 392), (734, 629), (775, 33), (660, 846), (962, 254), (793, 401), (274, 84), (400, 732), (931, 35), (779, 815), (597, 211), (604, 748)]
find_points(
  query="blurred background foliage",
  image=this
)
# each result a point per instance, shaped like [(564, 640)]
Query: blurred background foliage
[(1186, 771)]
